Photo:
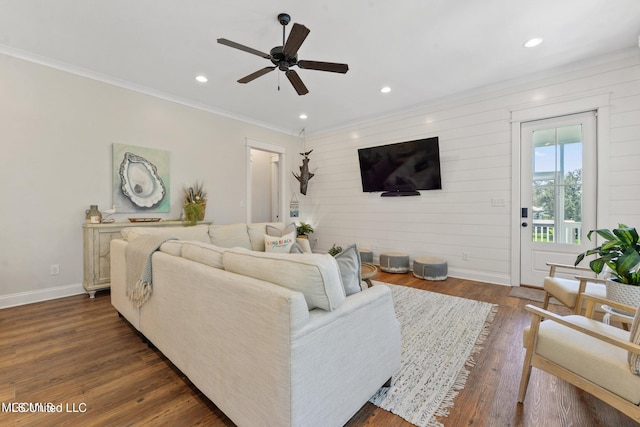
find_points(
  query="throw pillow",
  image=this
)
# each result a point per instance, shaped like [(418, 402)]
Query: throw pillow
[(349, 265), (256, 232), (296, 249), (279, 244), (276, 232), (634, 336)]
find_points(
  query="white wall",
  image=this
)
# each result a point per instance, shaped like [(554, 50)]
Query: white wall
[(57, 131), (476, 161)]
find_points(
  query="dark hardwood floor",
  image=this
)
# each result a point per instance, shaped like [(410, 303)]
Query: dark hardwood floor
[(77, 354)]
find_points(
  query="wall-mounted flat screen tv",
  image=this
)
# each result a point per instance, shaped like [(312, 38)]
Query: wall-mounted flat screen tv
[(401, 169)]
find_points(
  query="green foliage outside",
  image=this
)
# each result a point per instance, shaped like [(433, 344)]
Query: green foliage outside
[(545, 199)]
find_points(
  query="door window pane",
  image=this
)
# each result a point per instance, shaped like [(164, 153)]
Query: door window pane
[(557, 185)]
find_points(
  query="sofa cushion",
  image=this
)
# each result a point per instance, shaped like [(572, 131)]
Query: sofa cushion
[(173, 247), (279, 244), (257, 231), (197, 232), (230, 235), (349, 265), (316, 276), (204, 253)]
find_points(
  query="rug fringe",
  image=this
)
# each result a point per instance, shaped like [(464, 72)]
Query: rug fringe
[(461, 380), (427, 410)]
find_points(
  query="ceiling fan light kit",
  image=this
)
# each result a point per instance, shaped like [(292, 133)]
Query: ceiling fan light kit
[(286, 56)]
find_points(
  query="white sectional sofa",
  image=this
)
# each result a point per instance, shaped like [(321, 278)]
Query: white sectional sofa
[(271, 338)]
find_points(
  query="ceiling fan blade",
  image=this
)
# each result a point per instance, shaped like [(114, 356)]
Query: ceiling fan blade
[(296, 82), (255, 75), (296, 37), (324, 66), (244, 48)]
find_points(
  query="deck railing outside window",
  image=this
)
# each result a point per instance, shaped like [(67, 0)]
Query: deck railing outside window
[(544, 230)]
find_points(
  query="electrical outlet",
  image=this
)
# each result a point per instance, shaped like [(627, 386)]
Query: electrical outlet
[(54, 269), (465, 256)]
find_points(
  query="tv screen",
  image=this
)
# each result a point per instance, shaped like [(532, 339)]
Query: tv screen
[(403, 167)]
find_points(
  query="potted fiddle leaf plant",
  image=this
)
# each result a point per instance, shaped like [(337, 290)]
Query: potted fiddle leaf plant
[(195, 203), (618, 255)]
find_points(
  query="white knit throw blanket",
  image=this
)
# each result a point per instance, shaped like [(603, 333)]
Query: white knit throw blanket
[(138, 255)]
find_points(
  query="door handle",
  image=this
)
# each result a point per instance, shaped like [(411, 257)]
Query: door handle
[(524, 224)]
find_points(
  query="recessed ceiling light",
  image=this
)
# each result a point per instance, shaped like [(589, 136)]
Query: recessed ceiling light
[(202, 79), (303, 116), (533, 42), (385, 89)]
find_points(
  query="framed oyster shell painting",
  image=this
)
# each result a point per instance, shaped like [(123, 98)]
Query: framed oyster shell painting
[(140, 179)]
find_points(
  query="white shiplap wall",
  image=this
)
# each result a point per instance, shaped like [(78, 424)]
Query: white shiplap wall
[(476, 163)]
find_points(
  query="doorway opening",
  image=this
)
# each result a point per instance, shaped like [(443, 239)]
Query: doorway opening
[(265, 182)]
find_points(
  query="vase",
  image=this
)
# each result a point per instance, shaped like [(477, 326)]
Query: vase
[(625, 294), (93, 215)]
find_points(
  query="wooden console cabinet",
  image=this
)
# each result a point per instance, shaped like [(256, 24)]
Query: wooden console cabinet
[(97, 259)]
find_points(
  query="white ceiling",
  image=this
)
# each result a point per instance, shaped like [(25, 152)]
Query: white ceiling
[(425, 50)]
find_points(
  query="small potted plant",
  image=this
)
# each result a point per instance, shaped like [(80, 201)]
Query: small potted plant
[(335, 250), (620, 252), (303, 230), (195, 203)]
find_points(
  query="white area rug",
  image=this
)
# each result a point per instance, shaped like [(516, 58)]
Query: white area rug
[(440, 335)]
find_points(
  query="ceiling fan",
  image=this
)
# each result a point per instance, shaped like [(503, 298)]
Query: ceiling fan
[(286, 56)]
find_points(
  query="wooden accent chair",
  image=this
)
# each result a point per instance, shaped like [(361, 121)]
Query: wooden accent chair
[(570, 291), (600, 359)]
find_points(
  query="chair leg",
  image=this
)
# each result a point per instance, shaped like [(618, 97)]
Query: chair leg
[(530, 345), (524, 382), (547, 297)]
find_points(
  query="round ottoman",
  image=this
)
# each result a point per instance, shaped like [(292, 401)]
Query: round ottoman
[(430, 268), (394, 262), (366, 255)]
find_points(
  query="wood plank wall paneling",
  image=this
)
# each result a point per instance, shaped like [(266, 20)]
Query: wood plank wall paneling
[(475, 151)]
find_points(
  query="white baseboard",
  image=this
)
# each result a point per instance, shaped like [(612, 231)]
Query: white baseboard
[(30, 297), (496, 279)]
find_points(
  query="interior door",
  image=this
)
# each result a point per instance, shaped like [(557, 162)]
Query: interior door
[(558, 192)]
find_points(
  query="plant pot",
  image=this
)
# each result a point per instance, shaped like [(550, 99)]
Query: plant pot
[(626, 294), (194, 212)]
